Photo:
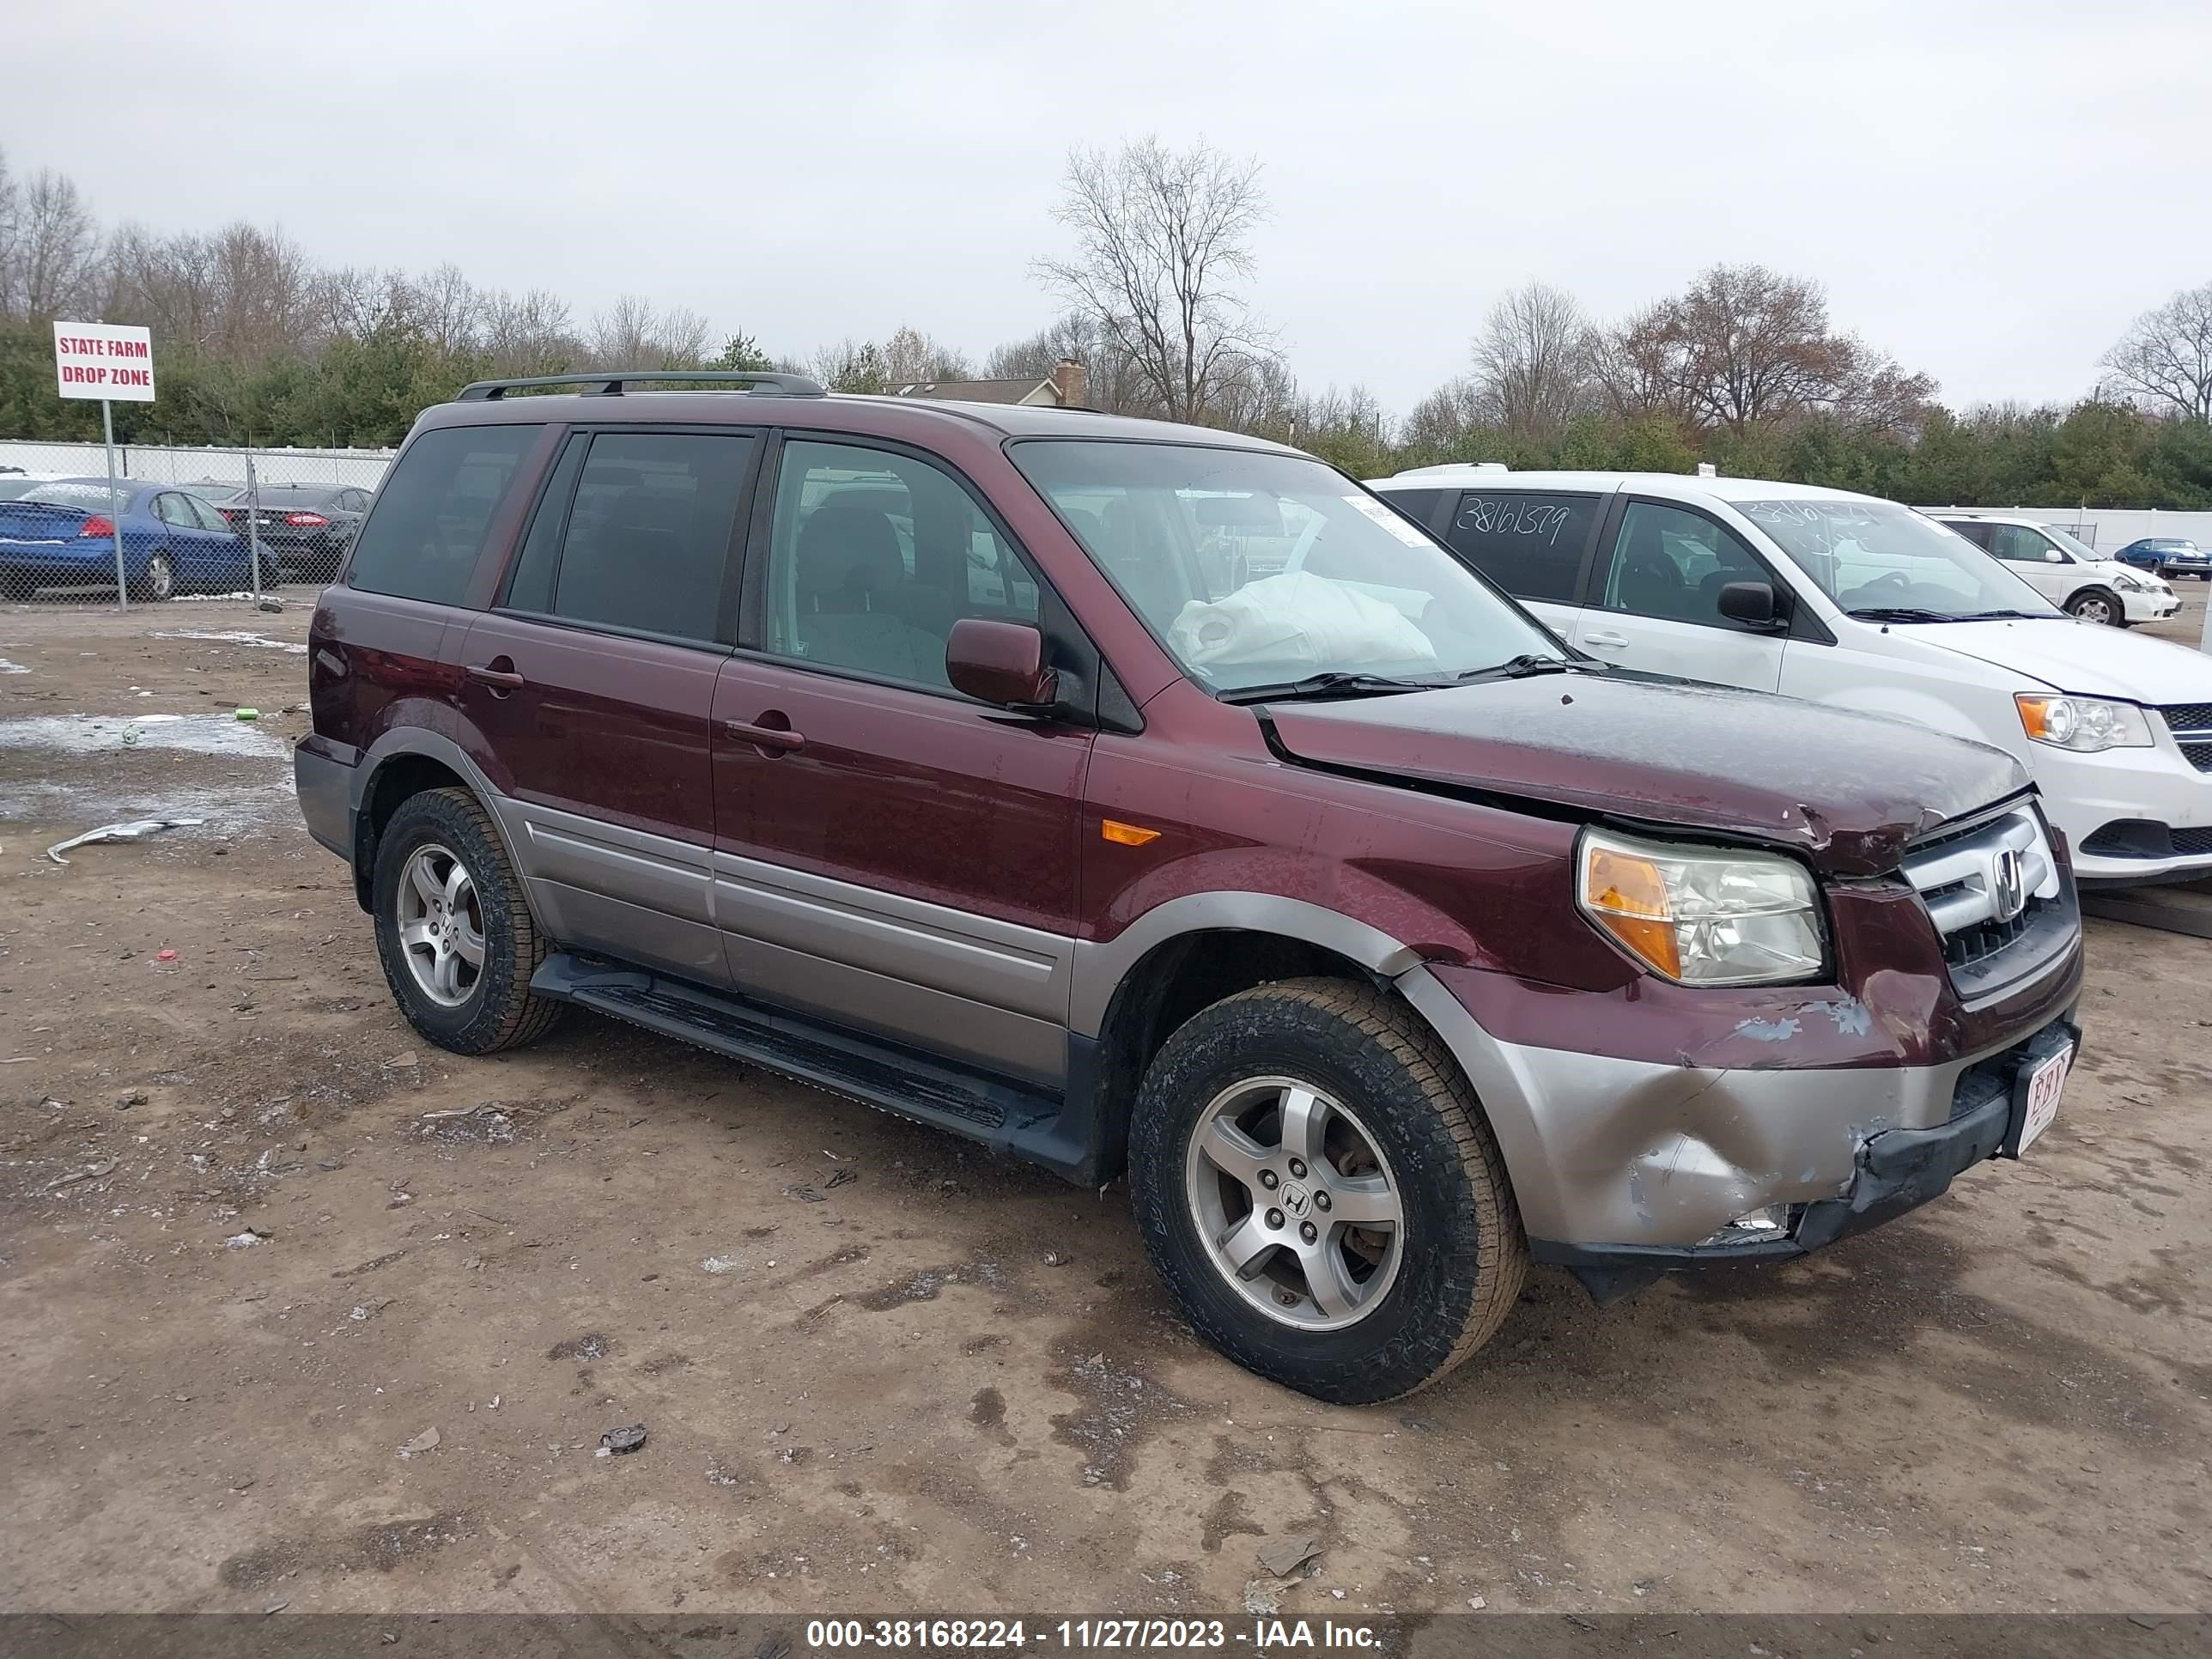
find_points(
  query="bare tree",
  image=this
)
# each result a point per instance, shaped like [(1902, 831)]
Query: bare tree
[(1634, 363), (910, 355), (2164, 361), (1072, 337), (1163, 239), (1753, 345), (1877, 395), (633, 334), (49, 247), (446, 308), (1532, 360), (528, 334), (851, 366)]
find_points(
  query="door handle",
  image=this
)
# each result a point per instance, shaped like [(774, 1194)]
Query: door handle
[(1607, 641), (504, 679), (778, 737)]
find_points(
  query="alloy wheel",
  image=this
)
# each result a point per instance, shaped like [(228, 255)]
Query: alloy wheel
[(440, 925), (1298, 1208)]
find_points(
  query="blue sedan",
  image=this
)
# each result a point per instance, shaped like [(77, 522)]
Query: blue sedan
[(2172, 555), (62, 533)]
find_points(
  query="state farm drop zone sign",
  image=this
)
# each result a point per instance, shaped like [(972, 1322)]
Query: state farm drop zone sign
[(104, 359)]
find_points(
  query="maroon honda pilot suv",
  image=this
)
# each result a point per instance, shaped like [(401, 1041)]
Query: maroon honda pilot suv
[(1136, 798)]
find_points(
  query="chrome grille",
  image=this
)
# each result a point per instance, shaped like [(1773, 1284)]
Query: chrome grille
[(1992, 937), (2191, 726)]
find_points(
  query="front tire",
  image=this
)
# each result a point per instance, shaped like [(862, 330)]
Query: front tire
[(455, 937), (2097, 605), (1316, 1183)]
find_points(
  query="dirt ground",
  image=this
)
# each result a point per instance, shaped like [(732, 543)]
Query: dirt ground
[(880, 1373)]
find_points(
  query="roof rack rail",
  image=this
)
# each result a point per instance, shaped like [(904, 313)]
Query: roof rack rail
[(606, 384)]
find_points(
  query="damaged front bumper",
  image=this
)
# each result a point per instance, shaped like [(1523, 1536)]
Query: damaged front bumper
[(1625, 1168), (1894, 1171)]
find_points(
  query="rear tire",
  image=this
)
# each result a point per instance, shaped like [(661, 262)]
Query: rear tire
[(158, 583), (1355, 1315), (462, 899)]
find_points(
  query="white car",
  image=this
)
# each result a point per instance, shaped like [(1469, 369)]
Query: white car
[(2070, 573), (1851, 600)]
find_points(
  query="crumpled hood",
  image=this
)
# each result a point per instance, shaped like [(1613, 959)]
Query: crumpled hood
[(1848, 791), (2089, 659)]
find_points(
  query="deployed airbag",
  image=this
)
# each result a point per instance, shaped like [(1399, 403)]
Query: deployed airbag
[(1296, 620)]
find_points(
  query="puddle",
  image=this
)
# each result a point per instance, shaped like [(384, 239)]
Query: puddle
[(226, 811), (235, 636), (208, 766), (99, 734)]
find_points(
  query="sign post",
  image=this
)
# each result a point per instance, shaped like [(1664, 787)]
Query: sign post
[(109, 361)]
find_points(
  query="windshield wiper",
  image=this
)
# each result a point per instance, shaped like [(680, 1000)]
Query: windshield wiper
[(1335, 683), (1528, 664), (1902, 613), (2003, 616)]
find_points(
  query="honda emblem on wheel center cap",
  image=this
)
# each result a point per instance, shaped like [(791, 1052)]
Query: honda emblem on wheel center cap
[(1294, 1198)]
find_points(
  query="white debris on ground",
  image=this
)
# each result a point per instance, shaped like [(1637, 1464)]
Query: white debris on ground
[(235, 636)]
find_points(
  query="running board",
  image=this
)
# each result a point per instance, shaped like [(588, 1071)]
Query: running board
[(1013, 1119)]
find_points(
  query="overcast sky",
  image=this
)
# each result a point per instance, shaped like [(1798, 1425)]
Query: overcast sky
[(1989, 191)]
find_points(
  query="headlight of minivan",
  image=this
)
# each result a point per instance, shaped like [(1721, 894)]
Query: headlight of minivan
[(2133, 584), (2085, 724), (1702, 915)]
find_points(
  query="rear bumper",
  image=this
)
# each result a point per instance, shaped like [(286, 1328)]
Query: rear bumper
[(324, 779)]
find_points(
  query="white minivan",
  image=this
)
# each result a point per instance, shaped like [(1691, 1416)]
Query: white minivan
[(1859, 602), (2070, 573)]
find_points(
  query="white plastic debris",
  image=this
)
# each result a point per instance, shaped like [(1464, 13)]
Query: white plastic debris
[(719, 1264), (136, 829)]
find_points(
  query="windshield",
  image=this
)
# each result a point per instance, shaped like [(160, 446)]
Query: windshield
[(1257, 569), (1885, 562), (2079, 549)]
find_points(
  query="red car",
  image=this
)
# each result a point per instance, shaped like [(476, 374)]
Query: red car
[(1138, 798)]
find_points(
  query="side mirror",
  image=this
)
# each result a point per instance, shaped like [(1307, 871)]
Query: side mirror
[(1751, 603), (1000, 662), (2052, 555)]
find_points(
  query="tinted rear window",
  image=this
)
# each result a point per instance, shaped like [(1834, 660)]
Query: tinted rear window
[(1530, 545), (423, 541), (648, 534)]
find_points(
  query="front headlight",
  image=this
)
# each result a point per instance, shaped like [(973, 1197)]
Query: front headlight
[(2085, 724), (1702, 915), (2133, 584)]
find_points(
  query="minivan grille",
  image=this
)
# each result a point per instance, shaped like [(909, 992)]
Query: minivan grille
[(2191, 726), (1962, 876)]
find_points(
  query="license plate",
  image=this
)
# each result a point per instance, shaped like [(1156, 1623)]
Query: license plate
[(2041, 1098)]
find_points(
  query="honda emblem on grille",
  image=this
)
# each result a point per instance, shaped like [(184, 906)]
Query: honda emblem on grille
[(2008, 888)]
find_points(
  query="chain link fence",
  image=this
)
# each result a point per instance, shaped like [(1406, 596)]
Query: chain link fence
[(175, 524)]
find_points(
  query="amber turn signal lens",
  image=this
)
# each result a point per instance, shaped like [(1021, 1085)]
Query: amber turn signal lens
[(2035, 716), (1128, 835), (1627, 897)]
